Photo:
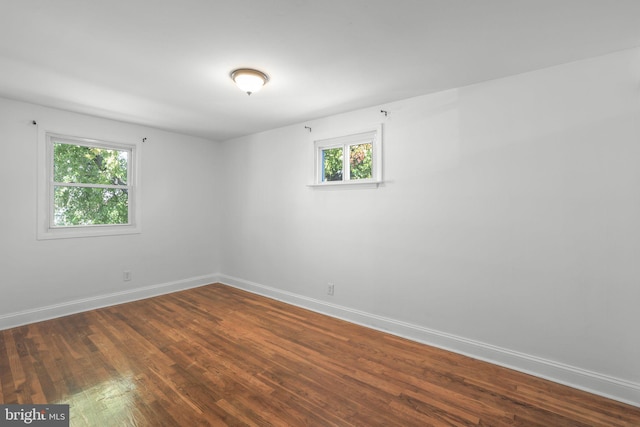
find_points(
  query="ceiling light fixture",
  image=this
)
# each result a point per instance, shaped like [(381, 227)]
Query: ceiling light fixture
[(249, 80)]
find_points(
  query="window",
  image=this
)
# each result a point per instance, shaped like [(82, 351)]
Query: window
[(89, 188), (351, 159)]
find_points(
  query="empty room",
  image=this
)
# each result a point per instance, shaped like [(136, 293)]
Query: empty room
[(320, 213)]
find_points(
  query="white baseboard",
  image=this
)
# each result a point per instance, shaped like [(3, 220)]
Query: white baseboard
[(592, 382), (38, 314)]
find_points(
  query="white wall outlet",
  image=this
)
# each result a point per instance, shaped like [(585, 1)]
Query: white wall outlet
[(126, 275), (330, 288)]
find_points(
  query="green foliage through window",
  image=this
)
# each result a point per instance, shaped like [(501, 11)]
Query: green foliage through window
[(332, 164), (360, 161), (90, 185)]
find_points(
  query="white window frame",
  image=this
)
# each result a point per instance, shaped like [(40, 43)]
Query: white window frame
[(371, 135), (46, 228)]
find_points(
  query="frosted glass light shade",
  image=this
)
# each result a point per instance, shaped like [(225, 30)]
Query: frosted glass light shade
[(249, 80)]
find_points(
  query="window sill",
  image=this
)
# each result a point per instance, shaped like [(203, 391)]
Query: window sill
[(347, 184), (89, 231)]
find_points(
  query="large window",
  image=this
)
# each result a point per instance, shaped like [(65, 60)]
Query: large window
[(90, 188), (350, 159)]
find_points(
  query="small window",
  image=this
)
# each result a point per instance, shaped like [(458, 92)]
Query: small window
[(351, 159), (90, 188)]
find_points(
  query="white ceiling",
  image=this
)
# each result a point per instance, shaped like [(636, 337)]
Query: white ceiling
[(166, 63)]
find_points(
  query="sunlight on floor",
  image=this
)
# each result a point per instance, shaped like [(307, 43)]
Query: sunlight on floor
[(111, 403)]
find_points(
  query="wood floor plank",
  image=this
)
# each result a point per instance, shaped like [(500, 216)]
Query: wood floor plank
[(216, 356)]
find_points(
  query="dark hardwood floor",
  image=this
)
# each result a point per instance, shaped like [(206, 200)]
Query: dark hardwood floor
[(220, 356)]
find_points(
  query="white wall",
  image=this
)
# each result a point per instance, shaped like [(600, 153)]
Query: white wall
[(178, 246), (508, 227)]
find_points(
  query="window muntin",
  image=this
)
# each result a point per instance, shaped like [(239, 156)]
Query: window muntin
[(348, 159)]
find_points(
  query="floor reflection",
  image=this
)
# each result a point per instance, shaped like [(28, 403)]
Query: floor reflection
[(110, 403)]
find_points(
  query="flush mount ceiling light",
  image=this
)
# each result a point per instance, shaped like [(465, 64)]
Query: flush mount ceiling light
[(249, 80)]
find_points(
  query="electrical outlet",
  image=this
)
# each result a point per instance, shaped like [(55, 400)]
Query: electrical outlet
[(126, 275), (330, 288)]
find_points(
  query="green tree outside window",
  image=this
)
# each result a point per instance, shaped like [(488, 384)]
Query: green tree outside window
[(90, 185)]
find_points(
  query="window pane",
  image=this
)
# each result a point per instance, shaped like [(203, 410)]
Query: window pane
[(90, 206), (89, 165), (332, 164), (360, 161)]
